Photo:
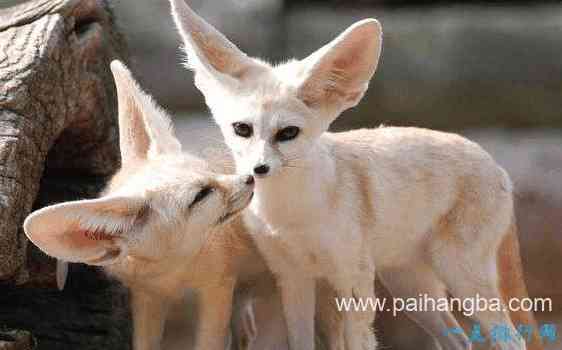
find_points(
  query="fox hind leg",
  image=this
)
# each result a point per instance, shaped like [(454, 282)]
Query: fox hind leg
[(469, 275), (465, 252), (418, 279)]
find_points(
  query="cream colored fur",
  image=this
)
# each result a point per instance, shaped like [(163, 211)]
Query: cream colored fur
[(146, 230), (428, 210)]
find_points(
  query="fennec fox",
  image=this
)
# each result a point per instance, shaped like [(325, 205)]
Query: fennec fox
[(430, 210), (165, 223)]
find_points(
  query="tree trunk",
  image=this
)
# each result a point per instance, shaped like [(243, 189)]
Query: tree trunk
[(58, 141), (16, 340)]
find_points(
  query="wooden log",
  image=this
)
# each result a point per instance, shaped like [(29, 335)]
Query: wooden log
[(90, 313), (58, 141), (57, 108), (16, 340)]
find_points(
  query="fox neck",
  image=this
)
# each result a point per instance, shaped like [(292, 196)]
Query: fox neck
[(293, 193), (139, 268)]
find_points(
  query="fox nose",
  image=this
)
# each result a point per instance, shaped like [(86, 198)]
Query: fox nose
[(261, 169), (249, 180)]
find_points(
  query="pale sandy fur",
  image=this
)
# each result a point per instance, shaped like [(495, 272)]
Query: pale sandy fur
[(146, 231), (425, 210)]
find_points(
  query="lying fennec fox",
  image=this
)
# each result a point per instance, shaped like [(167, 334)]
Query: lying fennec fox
[(430, 210), (165, 223)]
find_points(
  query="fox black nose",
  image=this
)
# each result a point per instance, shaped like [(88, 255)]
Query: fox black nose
[(249, 180), (261, 169)]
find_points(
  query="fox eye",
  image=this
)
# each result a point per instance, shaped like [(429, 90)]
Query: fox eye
[(202, 194), (287, 134), (243, 130)]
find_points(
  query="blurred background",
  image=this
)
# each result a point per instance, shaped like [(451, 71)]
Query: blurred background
[(489, 70)]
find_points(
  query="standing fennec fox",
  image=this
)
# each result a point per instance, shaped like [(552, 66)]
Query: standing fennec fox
[(164, 224), (431, 210)]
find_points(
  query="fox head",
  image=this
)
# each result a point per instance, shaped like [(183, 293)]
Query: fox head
[(162, 204), (271, 116)]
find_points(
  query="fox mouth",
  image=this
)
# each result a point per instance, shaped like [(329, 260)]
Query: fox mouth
[(237, 203)]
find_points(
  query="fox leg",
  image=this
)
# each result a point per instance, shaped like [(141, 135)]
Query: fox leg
[(329, 319), (417, 279), (149, 316), (244, 329), (467, 275), (215, 309), (298, 299), (352, 330), (364, 288), (358, 322)]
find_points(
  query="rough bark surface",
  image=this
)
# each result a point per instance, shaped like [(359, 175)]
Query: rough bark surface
[(58, 141), (56, 107), (16, 340)]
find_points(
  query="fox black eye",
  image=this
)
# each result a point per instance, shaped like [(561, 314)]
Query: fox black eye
[(243, 129), (287, 134), (202, 194)]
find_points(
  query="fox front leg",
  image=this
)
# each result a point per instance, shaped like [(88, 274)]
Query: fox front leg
[(149, 316), (298, 298), (359, 332), (215, 310)]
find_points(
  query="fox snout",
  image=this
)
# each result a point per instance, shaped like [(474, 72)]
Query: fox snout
[(259, 159), (262, 168), (240, 193), (237, 185), (249, 180)]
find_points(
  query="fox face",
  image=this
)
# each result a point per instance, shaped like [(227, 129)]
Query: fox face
[(271, 116), (162, 204), (271, 139)]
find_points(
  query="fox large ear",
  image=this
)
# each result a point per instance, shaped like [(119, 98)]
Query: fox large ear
[(337, 75), (87, 231), (144, 128), (209, 52)]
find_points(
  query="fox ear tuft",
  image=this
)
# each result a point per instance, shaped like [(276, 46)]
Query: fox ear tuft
[(87, 231), (209, 52), (144, 128), (337, 75)]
